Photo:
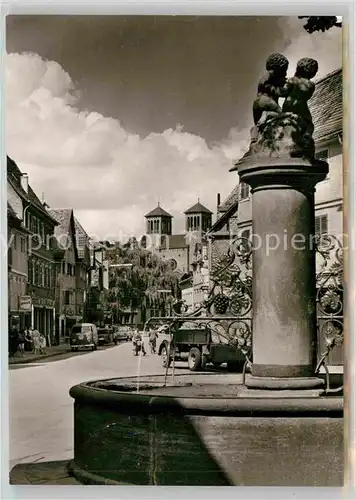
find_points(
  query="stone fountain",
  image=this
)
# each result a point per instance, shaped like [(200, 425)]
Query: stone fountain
[(283, 425)]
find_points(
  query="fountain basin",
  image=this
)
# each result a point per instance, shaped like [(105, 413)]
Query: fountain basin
[(200, 430)]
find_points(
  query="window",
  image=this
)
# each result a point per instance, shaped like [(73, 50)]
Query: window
[(321, 225), (245, 235), (36, 273), (63, 267), (67, 294), (30, 271), (244, 191), (322, 155), (15, 241), (43, 234), (23, 245), (41, 282)]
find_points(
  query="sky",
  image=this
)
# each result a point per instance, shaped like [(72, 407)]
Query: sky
[(108, 114)]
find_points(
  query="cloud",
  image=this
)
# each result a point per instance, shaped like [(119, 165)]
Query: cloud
[(109, 175), (89, 162)]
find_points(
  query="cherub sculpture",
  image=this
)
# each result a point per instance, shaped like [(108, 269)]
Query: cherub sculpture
[(270, 88), (299, 89)]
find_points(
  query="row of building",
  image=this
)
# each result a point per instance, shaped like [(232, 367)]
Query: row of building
[(51, 263)]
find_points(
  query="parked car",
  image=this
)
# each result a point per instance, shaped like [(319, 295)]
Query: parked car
[(122, 334), (196, 345), (84, 335), (105, 336)]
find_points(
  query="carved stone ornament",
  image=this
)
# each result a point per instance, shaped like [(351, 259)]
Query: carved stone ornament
[(283, 132)]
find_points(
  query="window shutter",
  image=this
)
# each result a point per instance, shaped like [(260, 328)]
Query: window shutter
[(321, 225), (244, 191)]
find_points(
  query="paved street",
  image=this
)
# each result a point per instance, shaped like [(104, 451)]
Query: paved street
[(41, 410)]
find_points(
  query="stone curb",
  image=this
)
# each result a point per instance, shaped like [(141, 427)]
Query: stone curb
[(22, 361)]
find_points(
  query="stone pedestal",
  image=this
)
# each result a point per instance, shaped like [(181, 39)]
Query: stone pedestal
[(284, 307)]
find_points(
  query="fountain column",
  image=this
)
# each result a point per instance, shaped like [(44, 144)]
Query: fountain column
[(284, 308), (282, 171)]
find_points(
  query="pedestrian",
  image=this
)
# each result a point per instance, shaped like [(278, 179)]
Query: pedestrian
[(42, 344), (21, 343), (13, 341), (28, 339), (153, 335), (36, 341), (138, 343)]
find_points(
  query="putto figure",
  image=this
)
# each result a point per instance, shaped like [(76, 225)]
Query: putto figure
[(299, 89), (270, 88)]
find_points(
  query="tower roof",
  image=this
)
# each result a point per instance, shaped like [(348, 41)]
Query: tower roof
[(198, 208), (158, 212)]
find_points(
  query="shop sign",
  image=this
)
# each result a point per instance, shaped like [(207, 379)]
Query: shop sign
[(43, 302), (25, 303)]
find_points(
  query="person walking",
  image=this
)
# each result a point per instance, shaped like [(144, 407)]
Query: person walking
[(153, 335), (28, 339), (42, 343), (36, 341), (21, 343)]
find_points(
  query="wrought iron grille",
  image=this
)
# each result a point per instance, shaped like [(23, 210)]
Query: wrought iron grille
[(227, 308), (329, 301)]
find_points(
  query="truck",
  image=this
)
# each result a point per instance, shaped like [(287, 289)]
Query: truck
[(196, 345)]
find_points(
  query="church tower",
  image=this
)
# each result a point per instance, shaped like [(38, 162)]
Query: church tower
[(198, 218), (158, 225)]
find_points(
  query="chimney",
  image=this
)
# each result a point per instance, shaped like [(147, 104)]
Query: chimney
[(218, 200), (24, 182)]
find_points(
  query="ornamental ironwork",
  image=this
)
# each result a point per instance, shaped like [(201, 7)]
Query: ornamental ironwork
[(227, 307), (226, 310), (329, 301)]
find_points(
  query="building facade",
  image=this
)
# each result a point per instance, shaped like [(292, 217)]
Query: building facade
[(70, 276), (32, 276), (19, 304), (82, 267)]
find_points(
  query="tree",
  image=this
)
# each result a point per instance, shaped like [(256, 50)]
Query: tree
[(320, 23), (140, 285)]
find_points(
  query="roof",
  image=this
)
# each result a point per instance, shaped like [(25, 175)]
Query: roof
[(225, 217), (14, 175), (82, 238), (63, 217), (158, 212), (175, 241), (326, 106), (11, 212), (231, 200), (198, 208)]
